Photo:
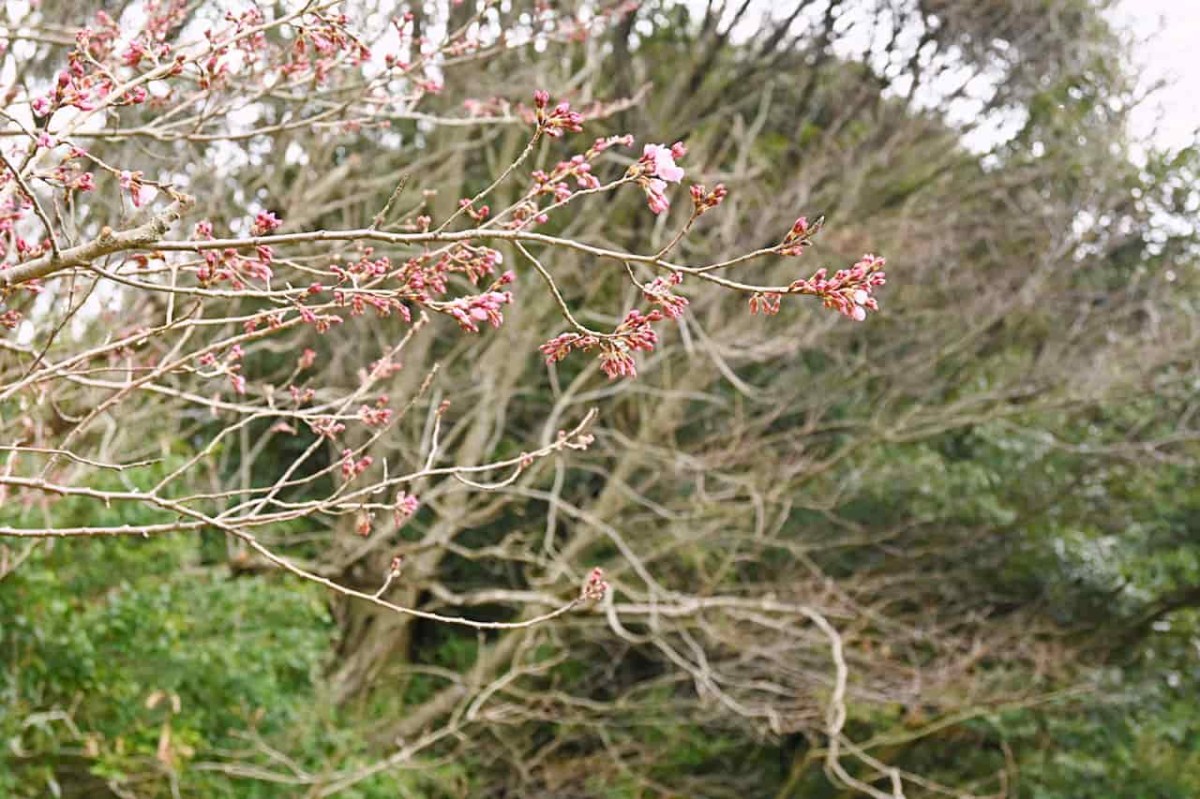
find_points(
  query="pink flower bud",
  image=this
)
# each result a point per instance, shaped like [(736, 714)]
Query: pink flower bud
[(595, 587)]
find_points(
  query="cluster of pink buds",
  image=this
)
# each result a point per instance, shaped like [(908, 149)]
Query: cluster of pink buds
[(634, 334), (139, 194), (352, 468), (765, 302), (75, 87), (578, 167), (478, 215), (799, 237), (237, 380), (557, 183), (26, 249), (97, 40), (426, 276), (557, 121), (364, 266), (230, 366), (303, 396), (468, 311), (245, 22), (474, 261), (616, 349), (326, 426), (322, 323), (403, 25), (89, 80), (228, 265), (427, 85), (265, 222), (358, 302), (705, 200), (72, 177), (384, 367), (377, 416), (849, 291), (658, 292), (13, 209), (133, 54), (404, 508), (525, 214), (655, 169), (319, 45), (164, 15), (559, 347), (595, 587)]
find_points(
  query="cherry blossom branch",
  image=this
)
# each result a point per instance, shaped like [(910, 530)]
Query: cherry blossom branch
[(588, 594), (138, 240), (56, 254), (143, 236)]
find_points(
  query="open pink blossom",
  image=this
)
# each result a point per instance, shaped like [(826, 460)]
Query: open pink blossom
[(139, 193), (655, 169), (656, 197), (663, 160)]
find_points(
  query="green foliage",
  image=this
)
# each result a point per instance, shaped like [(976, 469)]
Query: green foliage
[(108, 640)]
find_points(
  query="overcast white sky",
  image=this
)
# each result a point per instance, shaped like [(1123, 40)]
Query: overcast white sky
[(1168, 35)]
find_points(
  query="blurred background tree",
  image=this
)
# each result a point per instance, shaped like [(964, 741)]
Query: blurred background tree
[(991, 489)]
